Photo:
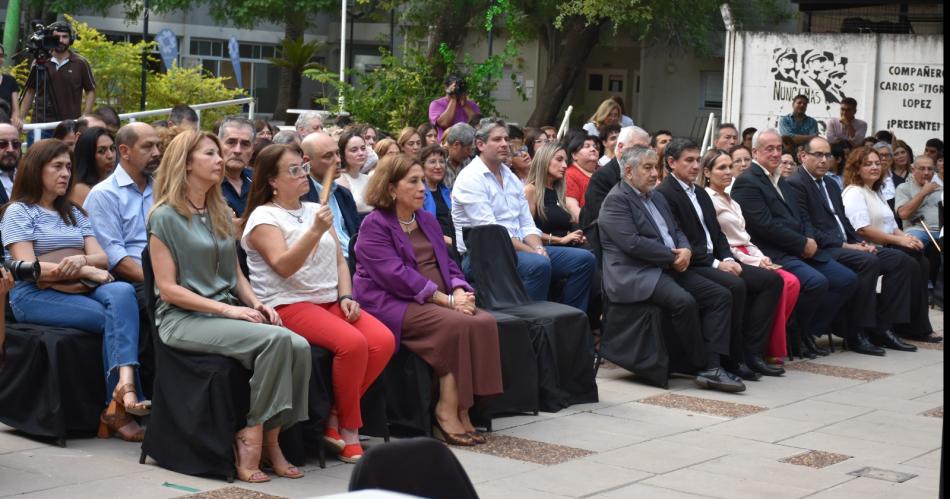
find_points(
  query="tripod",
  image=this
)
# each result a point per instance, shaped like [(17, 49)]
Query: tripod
[(44, 100)]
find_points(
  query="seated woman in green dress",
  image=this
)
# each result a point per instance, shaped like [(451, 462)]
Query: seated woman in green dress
[(206, 304)]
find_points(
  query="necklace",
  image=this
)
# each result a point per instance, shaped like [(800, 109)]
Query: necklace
[(298, 218), (202, 212), (410, 222), (407, 226)]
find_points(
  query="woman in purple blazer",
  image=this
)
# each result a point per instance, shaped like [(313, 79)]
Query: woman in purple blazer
[(405, 278)]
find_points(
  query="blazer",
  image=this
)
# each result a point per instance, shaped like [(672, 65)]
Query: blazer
[(813, 202), (429, 203), (344, 198), (633, 251), (604, 179), (387, 278), (777, 226), (685, 215)]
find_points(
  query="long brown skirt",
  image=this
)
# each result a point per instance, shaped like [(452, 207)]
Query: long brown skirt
[(452, 342)]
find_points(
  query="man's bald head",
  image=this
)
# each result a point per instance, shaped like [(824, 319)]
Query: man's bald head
[(137, 144), (323, 153)]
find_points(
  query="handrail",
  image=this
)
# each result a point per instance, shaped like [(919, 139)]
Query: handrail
[(37, 128)]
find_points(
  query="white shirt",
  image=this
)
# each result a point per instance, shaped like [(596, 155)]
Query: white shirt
[(357, 186), (864, 208), (604, 160), (591, 129), (478, 199), (316, 280), (7, 181), (691, 194)]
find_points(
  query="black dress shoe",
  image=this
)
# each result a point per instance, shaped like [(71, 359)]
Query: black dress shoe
[(930, 338), (810, 344), (717, 379), (860, 344), (887, 339), (757, 364), (740, 370)]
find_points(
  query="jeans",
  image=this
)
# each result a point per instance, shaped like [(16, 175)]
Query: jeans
[(920, 233), (109, 309)]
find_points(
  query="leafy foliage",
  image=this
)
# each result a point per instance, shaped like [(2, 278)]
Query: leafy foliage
[(117, 67)]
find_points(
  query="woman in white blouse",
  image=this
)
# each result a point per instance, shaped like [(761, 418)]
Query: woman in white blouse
[(353, 154), (718, 168), (874, 221)]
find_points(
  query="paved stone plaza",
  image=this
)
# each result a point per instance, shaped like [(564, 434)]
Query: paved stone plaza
[(804, 435)]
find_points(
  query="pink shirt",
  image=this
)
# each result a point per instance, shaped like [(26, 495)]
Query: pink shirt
[(438, 106)]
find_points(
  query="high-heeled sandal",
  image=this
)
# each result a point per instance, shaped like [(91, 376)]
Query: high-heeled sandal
[(113, 419), (250, 475), (289, 471), (331, 436), (140, 408), (351, 453), (461, 439), (477, 437)]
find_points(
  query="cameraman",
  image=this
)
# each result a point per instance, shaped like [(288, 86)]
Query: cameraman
[(68, 76), (454, 108)]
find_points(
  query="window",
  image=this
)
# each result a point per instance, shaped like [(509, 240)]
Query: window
[(595, 82), (260, 77), (710, 83)]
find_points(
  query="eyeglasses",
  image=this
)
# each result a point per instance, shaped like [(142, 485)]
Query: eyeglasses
[(820, 155), (6, 143), (299, 170)]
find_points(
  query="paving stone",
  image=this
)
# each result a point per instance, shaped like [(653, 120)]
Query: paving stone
[(656, 456), (485, 467), (733, 445), (867, 488), (780, 475), (836, 371), (639, 411), (703, 405), (532, 451), (593, 432), (854, 446), (701, 482), (764, 428), (817, 411), (574, 478), (641, 490)]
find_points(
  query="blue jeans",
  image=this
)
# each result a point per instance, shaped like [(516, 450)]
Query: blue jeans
[(109, 309), (921, 234)]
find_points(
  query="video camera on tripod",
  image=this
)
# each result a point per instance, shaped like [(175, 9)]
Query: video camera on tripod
[(43, 41)]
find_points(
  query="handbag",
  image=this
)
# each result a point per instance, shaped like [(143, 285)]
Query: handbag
[(76, 286)]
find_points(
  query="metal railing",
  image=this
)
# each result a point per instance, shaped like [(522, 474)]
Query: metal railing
[(37, 128)]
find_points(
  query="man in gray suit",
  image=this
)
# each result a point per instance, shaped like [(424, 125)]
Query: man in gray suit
[(646, 259)]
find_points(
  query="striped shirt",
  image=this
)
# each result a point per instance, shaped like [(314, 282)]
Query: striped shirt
[(45, 228)]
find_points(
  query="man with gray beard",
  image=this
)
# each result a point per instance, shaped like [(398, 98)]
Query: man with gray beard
[(10, 153)]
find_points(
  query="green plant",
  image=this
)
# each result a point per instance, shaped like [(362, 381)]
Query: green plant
[(189, 86)]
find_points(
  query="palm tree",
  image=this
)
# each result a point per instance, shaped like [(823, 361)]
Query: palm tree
[(295, 57)]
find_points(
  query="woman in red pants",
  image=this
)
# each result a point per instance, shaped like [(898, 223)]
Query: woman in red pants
[(297, 267)]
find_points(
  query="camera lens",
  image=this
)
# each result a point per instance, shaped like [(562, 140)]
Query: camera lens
[(23, 271)]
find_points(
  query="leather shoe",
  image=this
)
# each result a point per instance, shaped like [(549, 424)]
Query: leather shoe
[(717, 379), (758, 365), (742, 371), (810, 344), (860, 344), (887, 339)]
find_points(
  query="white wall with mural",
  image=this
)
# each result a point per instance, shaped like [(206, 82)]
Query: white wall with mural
[(897, 80)]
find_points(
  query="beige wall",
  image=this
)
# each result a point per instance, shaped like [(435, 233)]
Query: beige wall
[(670, 91)]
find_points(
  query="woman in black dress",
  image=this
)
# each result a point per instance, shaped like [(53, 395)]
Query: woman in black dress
[(544, 190)]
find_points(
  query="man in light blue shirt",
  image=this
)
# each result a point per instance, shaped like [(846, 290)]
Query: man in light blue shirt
[(487, 192), (118, 206)]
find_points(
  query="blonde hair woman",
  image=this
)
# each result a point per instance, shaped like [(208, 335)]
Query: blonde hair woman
[(608, 113), (544, 190), (206, 304), (410, 141)]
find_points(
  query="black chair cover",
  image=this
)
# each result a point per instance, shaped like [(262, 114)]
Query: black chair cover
[(53, 381), (409, 394), (633, 340), (519, 370), (564, 351), (198, 403), (419, 466)]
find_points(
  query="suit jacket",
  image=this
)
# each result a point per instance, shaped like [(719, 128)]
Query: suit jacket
[(778, 226), (387, 277), (633, 251), (813, 202), (604, 179), (351, 218), (685, 215)]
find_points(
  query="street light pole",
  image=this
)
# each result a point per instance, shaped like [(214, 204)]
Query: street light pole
[(342, 49), (144, 53)]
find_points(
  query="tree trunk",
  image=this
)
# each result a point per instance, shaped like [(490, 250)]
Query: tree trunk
[(450, 29), (579, 40), (288, 91)]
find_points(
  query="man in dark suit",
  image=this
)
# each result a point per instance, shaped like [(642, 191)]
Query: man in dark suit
[(821, 201), (10, 153), (755, 291), (778, 227), (646, 259), (322, 153), (605, 178)]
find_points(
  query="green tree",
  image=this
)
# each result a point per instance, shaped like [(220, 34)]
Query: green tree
[(296, 56)]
